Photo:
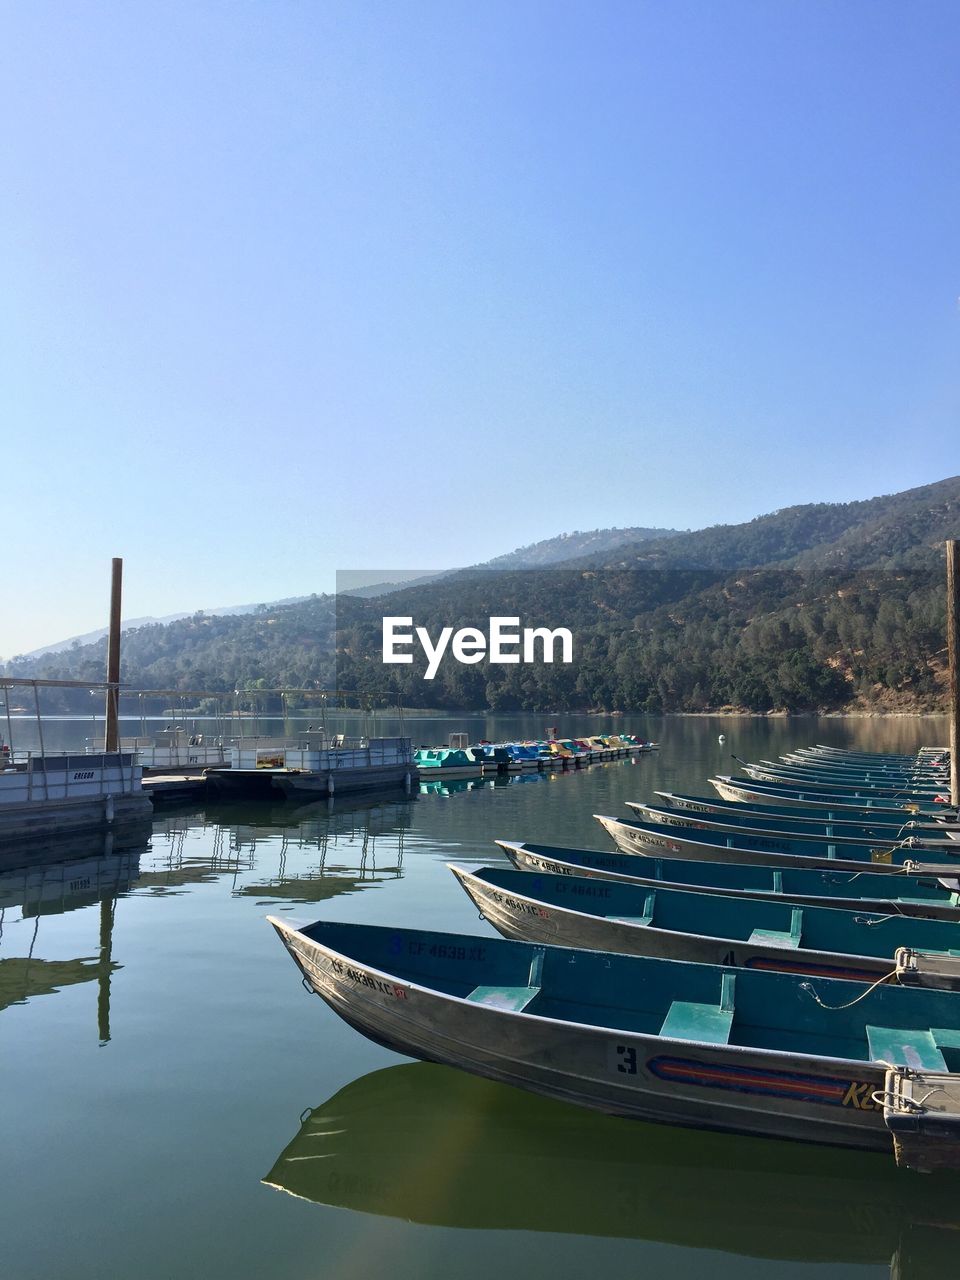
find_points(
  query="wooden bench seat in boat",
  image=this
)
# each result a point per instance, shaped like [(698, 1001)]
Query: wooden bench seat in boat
[(781, 937), (946, 1037), (906, 1048), (711, 1023), (514, 998)]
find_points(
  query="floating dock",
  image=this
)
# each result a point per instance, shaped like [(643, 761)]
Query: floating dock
[(307, 770), (55, 795)]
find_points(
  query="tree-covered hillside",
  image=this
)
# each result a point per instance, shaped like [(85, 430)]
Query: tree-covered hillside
[(679, 640), (826, 606), (901, 530), (595, 543)]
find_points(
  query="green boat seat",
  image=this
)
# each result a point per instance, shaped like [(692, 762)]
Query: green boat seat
[(512, 998), (946, 1037), (686, 1020), (905, 1048), (649, 903), (781, 937), (710, 1023)]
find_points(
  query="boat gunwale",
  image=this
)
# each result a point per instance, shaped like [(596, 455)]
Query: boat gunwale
[(529, 850), (717, 804), (692, 833), (800, 952), (761, 857), (722, 821)]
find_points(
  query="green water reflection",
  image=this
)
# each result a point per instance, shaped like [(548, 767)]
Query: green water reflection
[(433, 1145)]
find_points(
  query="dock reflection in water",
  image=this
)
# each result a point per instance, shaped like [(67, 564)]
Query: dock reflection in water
[(276, 853), (431, 1145), (249, 847), (52, 879)]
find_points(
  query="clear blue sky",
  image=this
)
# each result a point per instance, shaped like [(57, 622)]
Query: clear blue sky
[(296, 287)]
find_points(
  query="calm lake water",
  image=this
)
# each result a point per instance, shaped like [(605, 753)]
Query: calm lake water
[(174, 1104)]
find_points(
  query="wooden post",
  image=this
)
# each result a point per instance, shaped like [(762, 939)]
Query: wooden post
[(111, 735), (953, 656)]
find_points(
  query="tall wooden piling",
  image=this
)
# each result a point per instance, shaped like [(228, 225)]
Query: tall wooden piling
[(953, 655), (111, 736)]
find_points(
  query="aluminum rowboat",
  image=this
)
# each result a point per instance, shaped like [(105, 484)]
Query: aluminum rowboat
[(695, 1045)]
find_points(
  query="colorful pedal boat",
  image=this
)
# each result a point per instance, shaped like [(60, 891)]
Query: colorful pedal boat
[(448, 762)]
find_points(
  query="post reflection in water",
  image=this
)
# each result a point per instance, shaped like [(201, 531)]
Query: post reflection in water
[(340, 847), (188, 848), (428, 1144), (51, 879)]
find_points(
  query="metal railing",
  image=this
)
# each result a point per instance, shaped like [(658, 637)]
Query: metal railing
[(322, 756), (65, 776)]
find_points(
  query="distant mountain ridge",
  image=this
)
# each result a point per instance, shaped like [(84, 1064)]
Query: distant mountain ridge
[(570, 546), (131, 624), (726, 622), (899, 530), (549, 551)]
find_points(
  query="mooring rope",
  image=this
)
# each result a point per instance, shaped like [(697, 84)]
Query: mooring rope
[(870, 921), (880, 1096), (808, 986)]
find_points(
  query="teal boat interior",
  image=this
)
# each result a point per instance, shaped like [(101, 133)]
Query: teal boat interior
[(747, 878), (880, 821), (675, 999), (799, 828), (756, 920), (859, 800), (849, 775), (884, 773), (946, 852)]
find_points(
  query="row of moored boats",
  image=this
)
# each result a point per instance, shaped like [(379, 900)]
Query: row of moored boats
[(782, 958), (523, 757)]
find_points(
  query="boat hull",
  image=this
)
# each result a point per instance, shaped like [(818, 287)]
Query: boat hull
[(341, 781), (882, 822), (530, 919), (806, 887), (839, 833), (632, 838), (801, 798), (455, 771)]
